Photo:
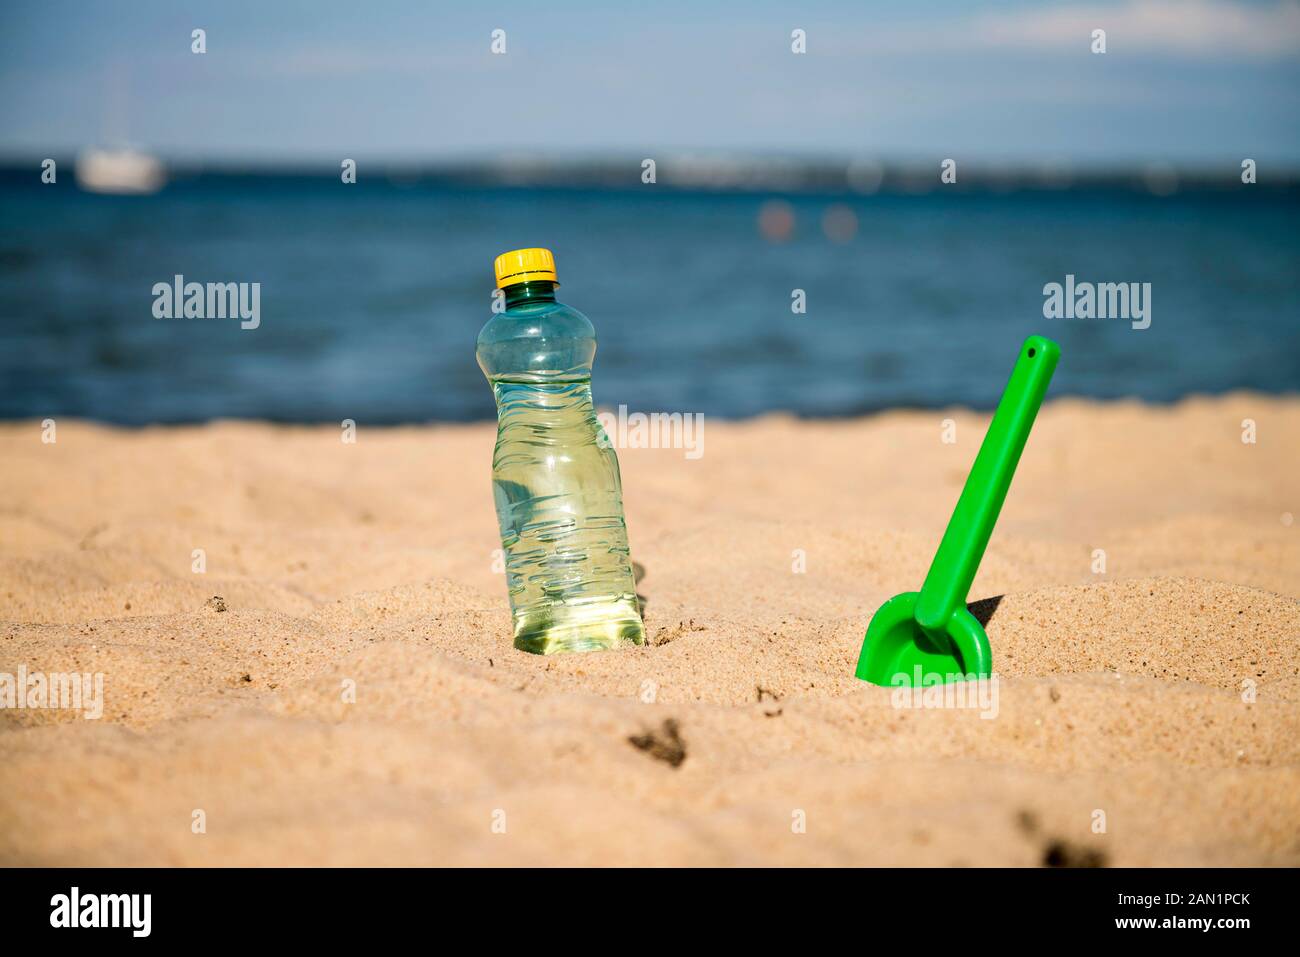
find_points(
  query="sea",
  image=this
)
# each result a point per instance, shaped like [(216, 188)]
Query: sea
[(724, 303)]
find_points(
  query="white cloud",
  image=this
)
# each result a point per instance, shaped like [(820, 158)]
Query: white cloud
[(1195, 27)]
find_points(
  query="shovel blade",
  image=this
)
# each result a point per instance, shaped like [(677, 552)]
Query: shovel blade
[(898, 652)]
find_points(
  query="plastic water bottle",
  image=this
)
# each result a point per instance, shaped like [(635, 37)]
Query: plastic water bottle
[(555, 476)]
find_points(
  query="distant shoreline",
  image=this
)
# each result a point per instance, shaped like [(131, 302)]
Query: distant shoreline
[(744, 175)]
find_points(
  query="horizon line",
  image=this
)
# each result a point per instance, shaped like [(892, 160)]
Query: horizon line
[(714, 172)]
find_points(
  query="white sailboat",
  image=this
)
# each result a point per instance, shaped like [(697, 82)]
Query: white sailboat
[(118, 169), (124, 171)]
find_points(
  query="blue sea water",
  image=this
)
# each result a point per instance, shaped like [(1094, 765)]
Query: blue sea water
[(372, 295)]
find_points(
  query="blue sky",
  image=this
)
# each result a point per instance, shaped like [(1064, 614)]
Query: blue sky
[(1182, 81)]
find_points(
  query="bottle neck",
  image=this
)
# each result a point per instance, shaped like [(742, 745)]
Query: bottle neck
[(536, 290)]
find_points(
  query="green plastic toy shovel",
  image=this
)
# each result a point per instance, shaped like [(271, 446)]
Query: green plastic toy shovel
[(928, 636)]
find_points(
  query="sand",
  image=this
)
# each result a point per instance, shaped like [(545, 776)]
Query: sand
[(353, 697)]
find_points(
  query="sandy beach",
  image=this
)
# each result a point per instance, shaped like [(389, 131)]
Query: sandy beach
[(305, 654)]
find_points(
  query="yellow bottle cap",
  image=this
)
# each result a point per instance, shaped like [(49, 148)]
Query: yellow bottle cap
[(525, 265)]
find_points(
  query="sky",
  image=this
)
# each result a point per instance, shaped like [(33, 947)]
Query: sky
[(1189, 82)]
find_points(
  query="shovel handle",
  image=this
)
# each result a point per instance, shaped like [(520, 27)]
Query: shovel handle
[(959, 554)]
